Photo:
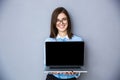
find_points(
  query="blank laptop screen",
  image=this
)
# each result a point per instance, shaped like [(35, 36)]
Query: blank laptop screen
[(64, 53)]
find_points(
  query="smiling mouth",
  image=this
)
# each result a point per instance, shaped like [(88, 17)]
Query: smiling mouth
[(61, 26)]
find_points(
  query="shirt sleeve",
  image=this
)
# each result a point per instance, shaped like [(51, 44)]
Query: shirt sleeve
[(50, 40)]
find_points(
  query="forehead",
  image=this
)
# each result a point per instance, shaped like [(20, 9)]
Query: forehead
[(61, 15)]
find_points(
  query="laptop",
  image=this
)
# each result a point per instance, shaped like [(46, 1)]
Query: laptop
[(64, 56)]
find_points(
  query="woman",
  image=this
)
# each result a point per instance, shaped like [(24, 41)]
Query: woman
[(61, 31)]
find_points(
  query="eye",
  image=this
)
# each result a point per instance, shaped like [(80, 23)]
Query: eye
[(64, 19)]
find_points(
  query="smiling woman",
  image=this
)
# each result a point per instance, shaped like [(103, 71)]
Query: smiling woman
[(61, 31), (60, 23), (61, 26)]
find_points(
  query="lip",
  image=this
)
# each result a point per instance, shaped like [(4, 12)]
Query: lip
[(61, 26)]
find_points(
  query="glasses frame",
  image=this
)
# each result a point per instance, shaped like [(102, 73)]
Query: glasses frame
[(64, 20)]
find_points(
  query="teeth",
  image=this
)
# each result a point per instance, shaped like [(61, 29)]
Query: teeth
[(61, 26)]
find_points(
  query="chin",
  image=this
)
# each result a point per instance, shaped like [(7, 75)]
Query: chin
[(62, 30)]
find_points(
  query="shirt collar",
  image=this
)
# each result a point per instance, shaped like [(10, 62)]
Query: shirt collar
[(58, 36)]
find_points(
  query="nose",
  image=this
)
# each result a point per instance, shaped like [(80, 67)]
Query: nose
[(61, 22)]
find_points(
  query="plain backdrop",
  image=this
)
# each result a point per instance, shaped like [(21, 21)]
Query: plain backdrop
[(25, 24)]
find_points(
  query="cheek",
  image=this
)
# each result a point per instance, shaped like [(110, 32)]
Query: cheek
[(66, 24)]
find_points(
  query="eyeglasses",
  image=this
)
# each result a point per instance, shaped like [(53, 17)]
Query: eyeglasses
[(64, 20)]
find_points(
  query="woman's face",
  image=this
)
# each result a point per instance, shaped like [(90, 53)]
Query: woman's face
[(62, 23)]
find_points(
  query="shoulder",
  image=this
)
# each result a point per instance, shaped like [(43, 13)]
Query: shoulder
[(50, 39), (77, 38)]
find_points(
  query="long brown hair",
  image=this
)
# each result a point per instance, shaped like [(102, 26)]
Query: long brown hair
[(54, 31)]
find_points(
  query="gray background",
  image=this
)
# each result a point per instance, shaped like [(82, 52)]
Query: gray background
[(25, 24)]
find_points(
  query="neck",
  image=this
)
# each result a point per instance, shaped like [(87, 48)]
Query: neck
[(62, 34)]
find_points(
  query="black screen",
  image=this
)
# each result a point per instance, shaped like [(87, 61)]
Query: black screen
[(64, 53)]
